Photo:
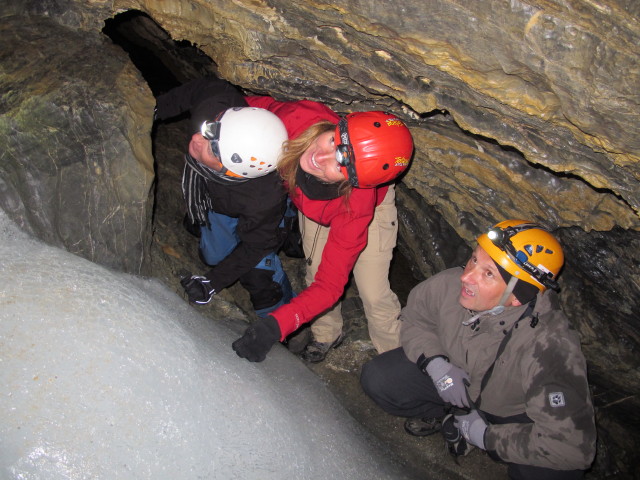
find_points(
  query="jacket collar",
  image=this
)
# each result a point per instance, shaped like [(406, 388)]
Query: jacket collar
[(314, 188)]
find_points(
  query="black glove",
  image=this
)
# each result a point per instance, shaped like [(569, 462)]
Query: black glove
[(198, 288), (258, 339)]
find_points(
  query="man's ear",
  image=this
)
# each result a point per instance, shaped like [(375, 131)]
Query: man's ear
[(514, 301)]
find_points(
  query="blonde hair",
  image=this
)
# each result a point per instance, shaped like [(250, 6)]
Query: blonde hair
[(289, 162)]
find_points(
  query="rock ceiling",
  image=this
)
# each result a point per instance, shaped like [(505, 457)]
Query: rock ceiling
[(546, 93)]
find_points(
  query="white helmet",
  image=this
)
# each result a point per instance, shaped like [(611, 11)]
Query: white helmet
[(247, 140)]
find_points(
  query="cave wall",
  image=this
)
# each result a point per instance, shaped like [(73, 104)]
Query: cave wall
[(76, 168), (549, 80), (518, 109)]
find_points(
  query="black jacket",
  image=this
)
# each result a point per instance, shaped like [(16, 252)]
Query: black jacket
[(257, 203), (203, 98)]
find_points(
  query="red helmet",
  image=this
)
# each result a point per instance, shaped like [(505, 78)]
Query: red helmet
[(374, 148)]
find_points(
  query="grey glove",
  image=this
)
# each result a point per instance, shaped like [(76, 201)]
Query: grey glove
[(449, 381), (472, 427)]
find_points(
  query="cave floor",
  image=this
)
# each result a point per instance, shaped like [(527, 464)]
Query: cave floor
[(174, 250)]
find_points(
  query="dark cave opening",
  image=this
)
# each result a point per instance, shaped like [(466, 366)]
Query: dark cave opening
[(123, 31)]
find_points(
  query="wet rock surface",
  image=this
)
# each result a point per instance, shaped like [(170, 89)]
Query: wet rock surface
[(68, 172)]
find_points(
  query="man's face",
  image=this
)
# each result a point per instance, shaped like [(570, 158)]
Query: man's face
[(200, 149), (482, 284)]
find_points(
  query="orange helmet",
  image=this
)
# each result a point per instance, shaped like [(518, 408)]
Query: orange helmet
[(525, 250), (374, 148)]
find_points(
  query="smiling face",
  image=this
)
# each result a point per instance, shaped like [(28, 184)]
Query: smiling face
[(319, 159), (200, 149), (482, 284)]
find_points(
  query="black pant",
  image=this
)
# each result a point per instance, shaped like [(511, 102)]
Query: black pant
[(398, 386)]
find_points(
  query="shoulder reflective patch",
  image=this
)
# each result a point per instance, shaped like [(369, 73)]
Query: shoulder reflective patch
[(556, 399)]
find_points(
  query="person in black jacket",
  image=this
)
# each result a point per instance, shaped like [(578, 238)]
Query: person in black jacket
[(233, 193)]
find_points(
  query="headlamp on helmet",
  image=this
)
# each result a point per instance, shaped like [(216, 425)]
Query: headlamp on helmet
[(525, 250), (247, 141), (374, 148)]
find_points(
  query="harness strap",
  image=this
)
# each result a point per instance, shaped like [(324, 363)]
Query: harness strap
[(503, 344)]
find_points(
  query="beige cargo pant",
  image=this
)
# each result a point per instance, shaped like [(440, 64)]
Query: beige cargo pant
[(371, 275)]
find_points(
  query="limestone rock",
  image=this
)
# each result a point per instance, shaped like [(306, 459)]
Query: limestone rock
[(550, 81), (75, 125)]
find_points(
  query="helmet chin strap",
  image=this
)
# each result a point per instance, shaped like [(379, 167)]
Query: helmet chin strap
[(499, 308)]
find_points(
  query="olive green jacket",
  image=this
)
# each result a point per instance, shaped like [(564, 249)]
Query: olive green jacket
[(541, 372)]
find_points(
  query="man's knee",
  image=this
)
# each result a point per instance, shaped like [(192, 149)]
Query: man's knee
[(372, 378), (263, 291), (367, 376)]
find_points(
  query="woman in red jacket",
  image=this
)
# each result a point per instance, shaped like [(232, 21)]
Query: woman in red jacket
[(334, 174)]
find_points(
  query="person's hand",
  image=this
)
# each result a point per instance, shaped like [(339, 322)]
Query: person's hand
[(449, 381), (198, 289), (472, 427), (258, 339)]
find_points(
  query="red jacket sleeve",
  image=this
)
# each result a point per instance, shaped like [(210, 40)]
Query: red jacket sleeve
[(348, 236)]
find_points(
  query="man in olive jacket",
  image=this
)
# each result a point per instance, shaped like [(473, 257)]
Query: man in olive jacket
[(489, 346)]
